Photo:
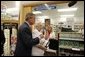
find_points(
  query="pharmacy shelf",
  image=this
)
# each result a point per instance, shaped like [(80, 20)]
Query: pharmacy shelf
[(72, 39), (70, 47), (70, 33), (67, 54)]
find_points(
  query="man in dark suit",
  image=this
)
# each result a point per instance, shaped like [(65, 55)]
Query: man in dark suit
[(25, 42)]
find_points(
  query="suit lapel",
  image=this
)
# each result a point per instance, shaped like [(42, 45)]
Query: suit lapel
[(28, 27)]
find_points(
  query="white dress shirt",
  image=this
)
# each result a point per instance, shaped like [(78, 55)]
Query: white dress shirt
[(35, 50)]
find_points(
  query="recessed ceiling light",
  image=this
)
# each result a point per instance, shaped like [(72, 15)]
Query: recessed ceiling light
[(17, 4), (66, 15), (37, 12)]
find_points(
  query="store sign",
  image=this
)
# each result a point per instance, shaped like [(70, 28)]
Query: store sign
[(43, 7)]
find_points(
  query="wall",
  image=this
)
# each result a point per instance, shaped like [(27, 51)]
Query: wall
[(23, 12)]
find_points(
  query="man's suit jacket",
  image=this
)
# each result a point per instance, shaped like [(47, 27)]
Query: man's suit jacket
[(25, 42)]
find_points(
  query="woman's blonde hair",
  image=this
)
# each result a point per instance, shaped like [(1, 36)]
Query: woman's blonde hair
[(38, 26)]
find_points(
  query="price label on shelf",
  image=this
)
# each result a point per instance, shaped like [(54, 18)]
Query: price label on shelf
[(76, 49)]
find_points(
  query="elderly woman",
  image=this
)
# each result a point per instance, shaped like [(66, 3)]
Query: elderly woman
[(38, 50)]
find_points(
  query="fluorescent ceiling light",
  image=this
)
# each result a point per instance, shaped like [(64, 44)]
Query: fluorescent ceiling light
[(42, 17), (17, 4), (67, 9), (14, 10), (66, 15), (37, 12), (46, 5), (62, 20), (9, 10)]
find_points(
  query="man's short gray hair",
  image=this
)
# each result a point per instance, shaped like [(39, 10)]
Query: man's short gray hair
[(28, 16)]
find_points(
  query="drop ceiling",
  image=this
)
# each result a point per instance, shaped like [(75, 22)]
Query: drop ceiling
[(55, 15), (80, 5), (11, 4), (51, 13)]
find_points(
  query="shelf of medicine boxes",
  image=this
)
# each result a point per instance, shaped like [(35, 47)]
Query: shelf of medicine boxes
[(53, 27), (72, 36), (78, 26), (71, 48)]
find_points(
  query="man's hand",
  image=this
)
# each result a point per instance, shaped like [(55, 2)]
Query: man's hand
[(41, 47)]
